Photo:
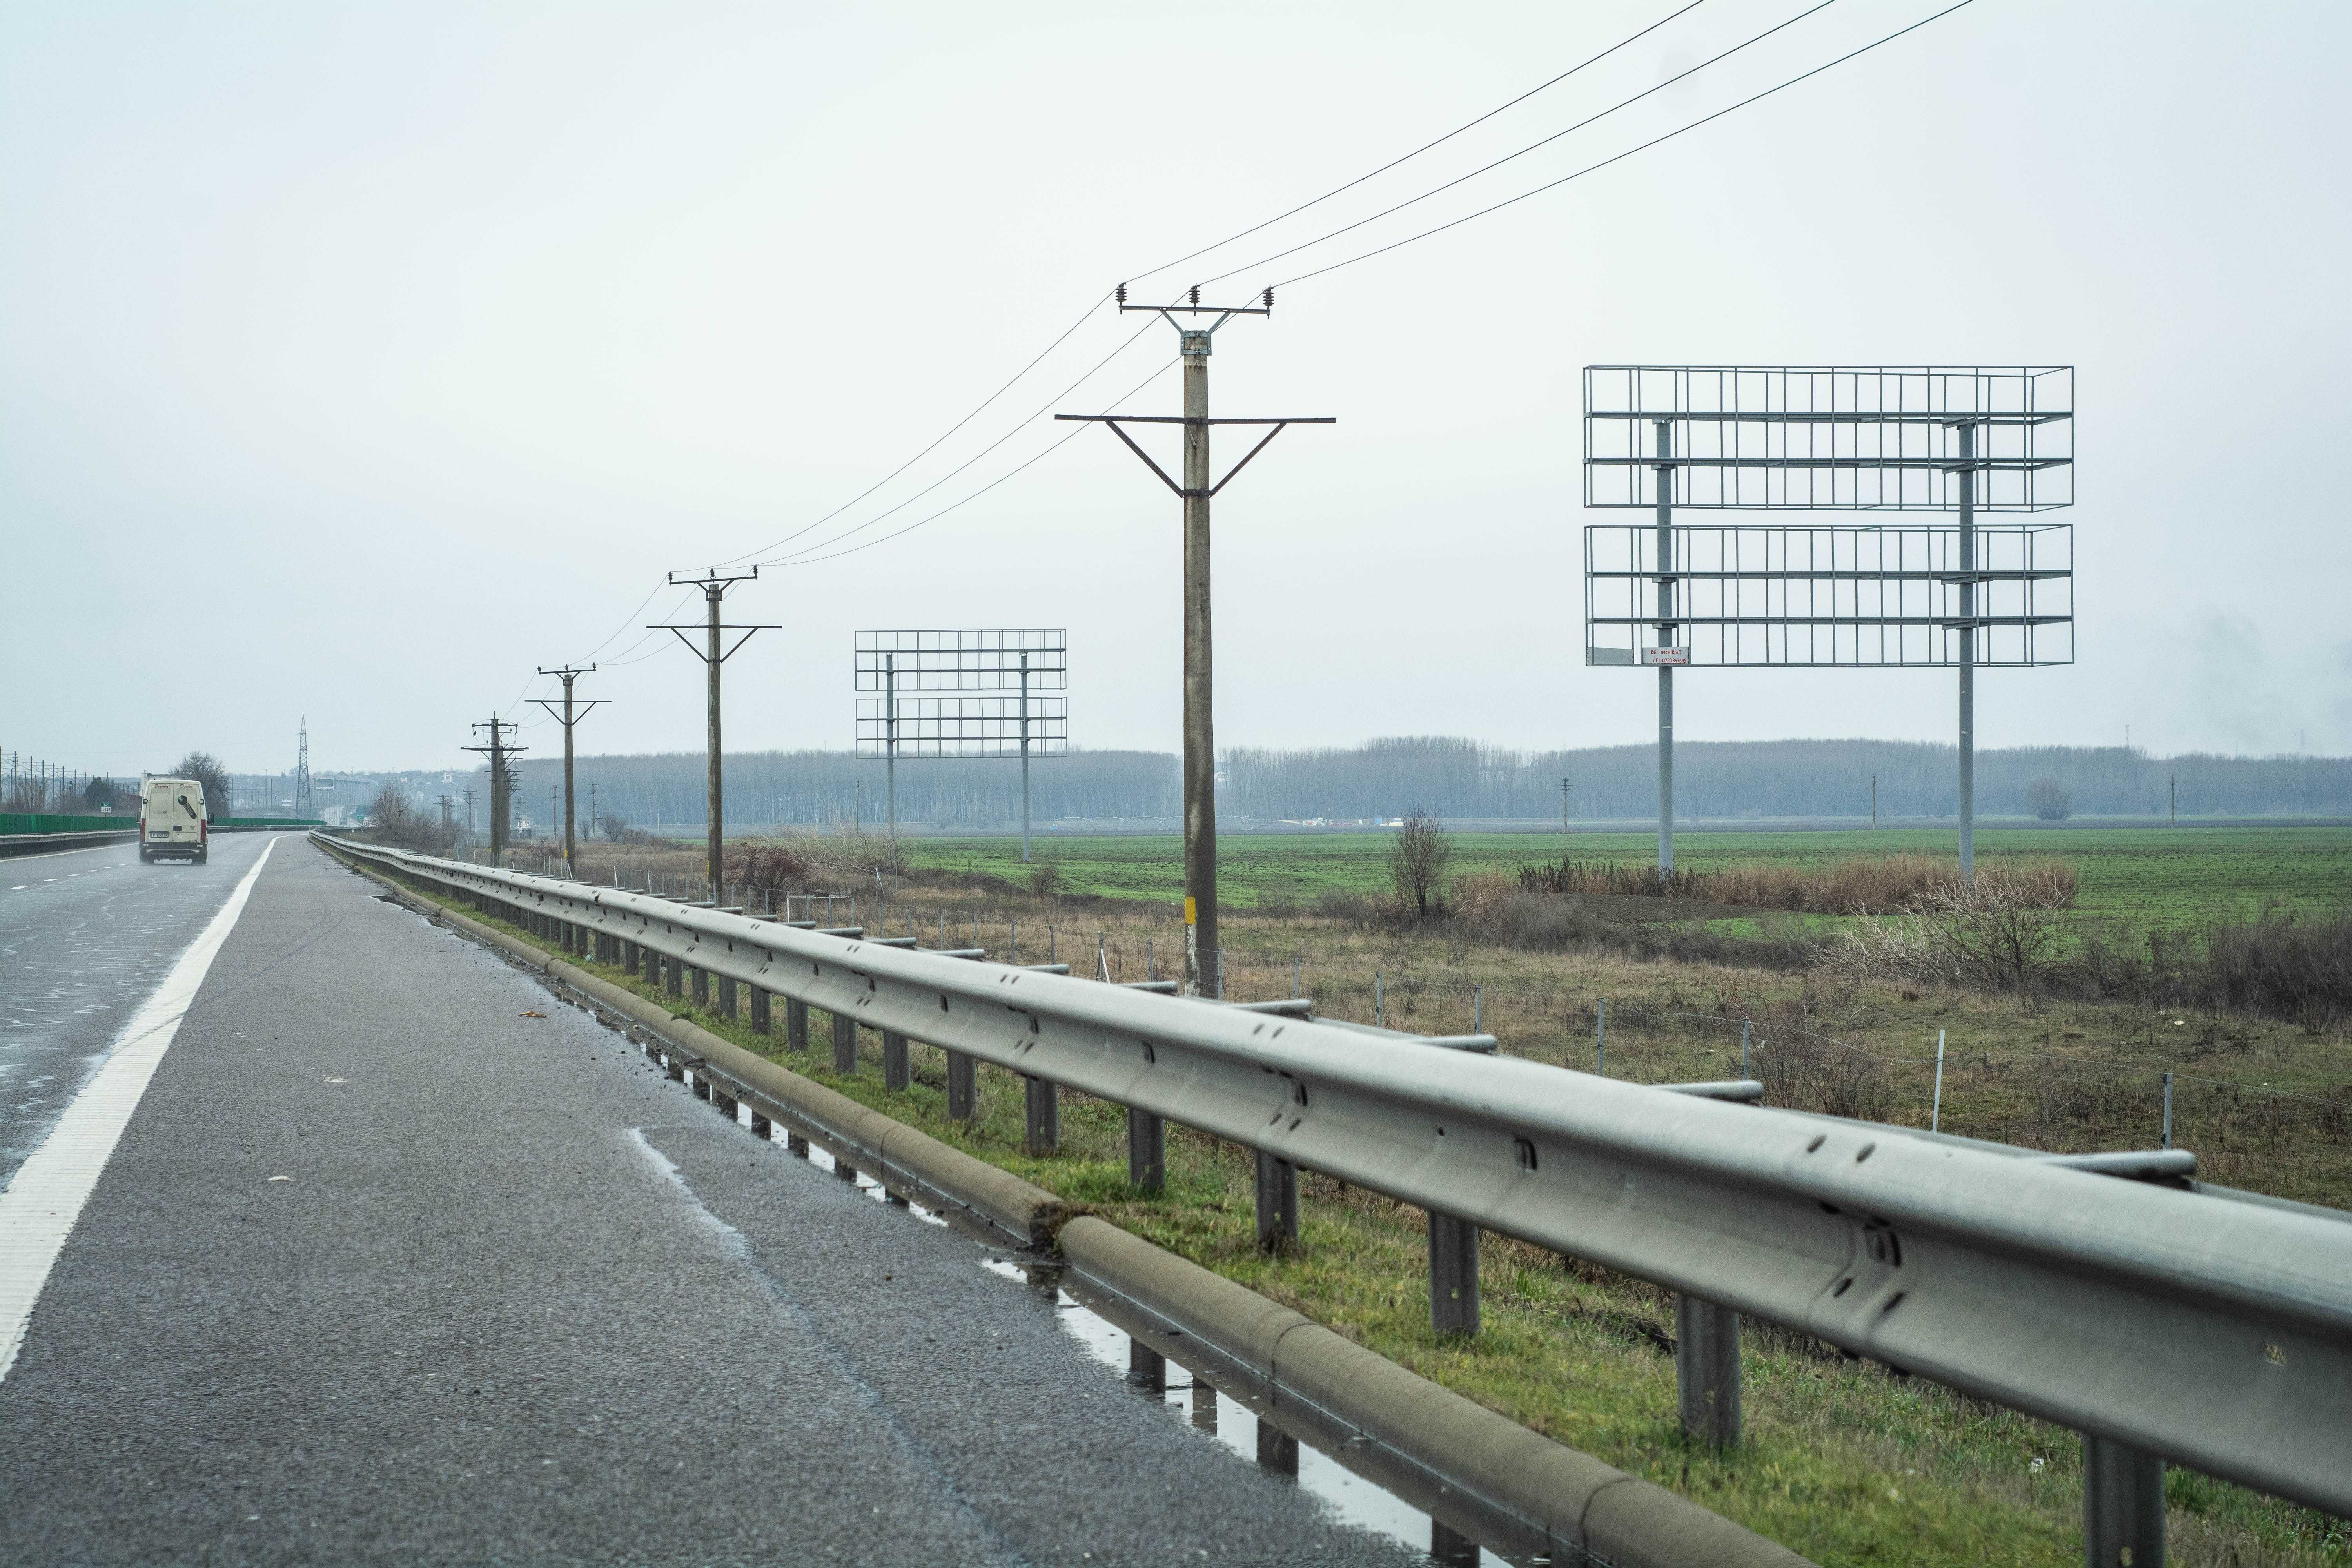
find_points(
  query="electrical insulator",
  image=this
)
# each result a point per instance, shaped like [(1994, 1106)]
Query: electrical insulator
[(1196, 293), (1269, 299), (1121, 292)]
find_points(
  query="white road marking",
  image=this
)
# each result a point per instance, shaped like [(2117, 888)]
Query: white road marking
[(38, 1209)]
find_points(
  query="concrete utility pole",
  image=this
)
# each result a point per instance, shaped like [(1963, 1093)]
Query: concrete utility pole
[(1201, 968), (714, 585), (1563, 808), (498, 751), (568, 716)]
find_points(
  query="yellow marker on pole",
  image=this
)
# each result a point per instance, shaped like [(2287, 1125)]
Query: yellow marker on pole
[(1192, 913)]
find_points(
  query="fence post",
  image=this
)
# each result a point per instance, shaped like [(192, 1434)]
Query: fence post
[(1377, 1018), (963, 1095), (2123, 1505), (1745, 1027), (1147, 1150), (1277, 1205), (897, 1073), (796, 1024), (1601, 1036), (2168, 1111), (1044, 1116), (1452, 1274), (1935, 1105), (1707, 1370), (845, 1044)]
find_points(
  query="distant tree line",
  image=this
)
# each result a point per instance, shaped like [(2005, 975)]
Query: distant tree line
[(1460, 780)]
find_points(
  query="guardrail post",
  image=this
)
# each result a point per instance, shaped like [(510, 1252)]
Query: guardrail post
[(796, 1024), (761, 1022), (724, 1103), (674, 975), (762, 1127), (630, 963), (2123, 1505), (1147, 1150), (1276, 1450), (1277, 1212), (726, 996), (701, 985), (897, 1073), (963, 1087), (1146, 1367), (845, 1044), (1452, 1274), (1707, 1370), (1450, 1547), (1045, 1115), (795, 1144)]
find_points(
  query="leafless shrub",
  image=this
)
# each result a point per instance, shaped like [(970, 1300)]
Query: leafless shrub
[(2049, 800), (394, 821), (1805, 1072), (1046, 879), (1417, 861), (771, 869), (2287, 968)]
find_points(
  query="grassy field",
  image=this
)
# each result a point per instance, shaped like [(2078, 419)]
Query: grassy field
[(2154, 878), (1843, 1460)]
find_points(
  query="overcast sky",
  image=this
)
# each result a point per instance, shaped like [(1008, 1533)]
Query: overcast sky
[(355, 360)]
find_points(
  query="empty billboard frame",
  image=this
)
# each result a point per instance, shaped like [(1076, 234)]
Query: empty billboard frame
[(963, 692), (1966, 440)]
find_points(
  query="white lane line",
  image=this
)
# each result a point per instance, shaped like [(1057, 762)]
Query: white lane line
[(38, 1209), (53, 854)]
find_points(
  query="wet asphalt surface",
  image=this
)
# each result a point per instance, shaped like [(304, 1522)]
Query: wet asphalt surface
[(85, 936), (519, 1298)]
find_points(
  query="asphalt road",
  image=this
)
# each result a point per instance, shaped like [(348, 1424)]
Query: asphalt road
[(384, 1269), (85, 935)]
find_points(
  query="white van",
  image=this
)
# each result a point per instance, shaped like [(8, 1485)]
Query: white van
[(173, 824)]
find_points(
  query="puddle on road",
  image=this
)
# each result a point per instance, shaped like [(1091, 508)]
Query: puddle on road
[(1235, 1423), (1226, 1418)]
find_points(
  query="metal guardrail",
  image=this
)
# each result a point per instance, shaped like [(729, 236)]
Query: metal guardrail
[(2162, 1318)]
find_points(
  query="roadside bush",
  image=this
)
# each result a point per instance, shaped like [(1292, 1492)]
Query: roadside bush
[(2049, 800), (394, 821), (1046, 879), (1417, 861), (772, 868), (1991, 933), (615, 829), (2300, 970)]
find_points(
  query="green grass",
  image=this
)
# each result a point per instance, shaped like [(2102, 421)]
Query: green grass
[(2146, 879), (1845, 1461)]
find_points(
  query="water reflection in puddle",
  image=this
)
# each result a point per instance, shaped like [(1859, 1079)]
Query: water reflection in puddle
[(1222, 1418), (1235, 1423)]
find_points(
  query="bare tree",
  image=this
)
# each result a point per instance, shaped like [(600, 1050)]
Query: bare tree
[(208, 770), (1418, 859), (2051, 801)]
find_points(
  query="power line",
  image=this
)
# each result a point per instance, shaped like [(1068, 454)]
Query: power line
[(1621, 157), (1530, 147), (811, 561), (1083, 316), (1091, 373), (1426, 146)]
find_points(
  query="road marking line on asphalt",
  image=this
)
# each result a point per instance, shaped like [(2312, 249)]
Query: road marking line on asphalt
[(38, 1209)]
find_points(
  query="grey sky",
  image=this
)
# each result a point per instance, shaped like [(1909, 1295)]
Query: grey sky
[(355, 359)]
